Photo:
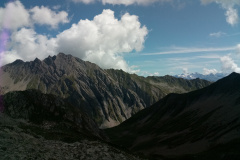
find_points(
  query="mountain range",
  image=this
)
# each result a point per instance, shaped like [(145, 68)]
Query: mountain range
[(202, 124), (209, 77), (109, 96), (54, 109)]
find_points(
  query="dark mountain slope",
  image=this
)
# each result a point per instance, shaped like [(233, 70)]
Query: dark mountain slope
[(203, 124), (46, 109), (42, 126), (108, 96)]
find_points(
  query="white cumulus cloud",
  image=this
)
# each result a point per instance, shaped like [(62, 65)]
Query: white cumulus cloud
[(228, 65), (231, 13), (45, 16), (104, 39), (209, 71), (14, 15), (232, 16)]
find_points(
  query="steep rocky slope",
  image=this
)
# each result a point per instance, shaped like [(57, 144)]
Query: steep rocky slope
[(48, 111), (41, 126), (108, 96), (202, 124)]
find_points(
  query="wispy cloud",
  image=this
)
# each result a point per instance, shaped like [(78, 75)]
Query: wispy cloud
[(238, 49), (223, 34), (182, 50), (192, 58), (217, 34), (175, 3), (213, 56)]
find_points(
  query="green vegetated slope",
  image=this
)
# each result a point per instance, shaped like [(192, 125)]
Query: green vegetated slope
[(108, 96), (202, 124)]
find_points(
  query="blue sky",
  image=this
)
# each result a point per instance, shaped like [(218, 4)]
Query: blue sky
[(146, 37)]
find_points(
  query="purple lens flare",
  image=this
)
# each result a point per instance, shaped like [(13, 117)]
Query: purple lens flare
[(3, 42), (4, 36)]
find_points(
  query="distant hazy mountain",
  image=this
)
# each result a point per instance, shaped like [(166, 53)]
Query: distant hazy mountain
[(107, 96), (210, 77), (203, 124)]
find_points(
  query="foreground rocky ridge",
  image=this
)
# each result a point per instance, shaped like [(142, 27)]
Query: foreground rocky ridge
[(49, 111), (108, 96), (18, 142), (39, 126), (202, 124)]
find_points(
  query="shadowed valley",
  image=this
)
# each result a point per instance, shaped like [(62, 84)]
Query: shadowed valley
[(202, 124)]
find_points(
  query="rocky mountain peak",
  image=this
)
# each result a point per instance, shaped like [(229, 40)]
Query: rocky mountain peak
[(18, 61), (49, 60), (37, 60)]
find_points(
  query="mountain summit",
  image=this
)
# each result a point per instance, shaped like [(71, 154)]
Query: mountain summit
[(108, 96)]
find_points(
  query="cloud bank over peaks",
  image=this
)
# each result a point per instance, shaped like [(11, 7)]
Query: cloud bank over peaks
[(209, 71), (226, 62), (26, 44), (29, 45), (228, 65), (102, 40), (231, 13)]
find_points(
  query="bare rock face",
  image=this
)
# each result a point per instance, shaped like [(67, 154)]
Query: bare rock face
[(202, 124), (108, 96)]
